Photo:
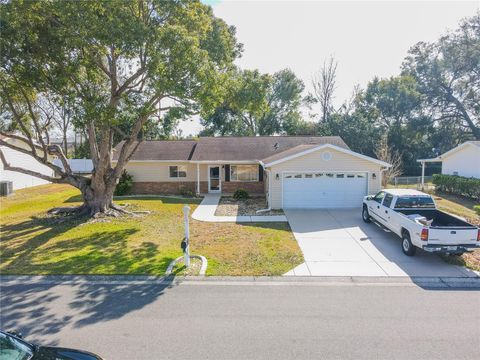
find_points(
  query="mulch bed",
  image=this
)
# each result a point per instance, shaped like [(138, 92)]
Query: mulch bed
[(228, 206)]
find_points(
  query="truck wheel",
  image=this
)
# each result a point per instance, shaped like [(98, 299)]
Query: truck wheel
[(365, 215), (407, 246)]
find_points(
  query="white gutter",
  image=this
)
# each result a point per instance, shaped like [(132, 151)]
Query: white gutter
[(269, 207)]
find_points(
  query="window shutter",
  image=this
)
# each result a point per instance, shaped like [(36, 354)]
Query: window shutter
[(227, 173), (260, 173)]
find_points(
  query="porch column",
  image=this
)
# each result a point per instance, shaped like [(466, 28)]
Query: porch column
[(423, 175), (198, 179)]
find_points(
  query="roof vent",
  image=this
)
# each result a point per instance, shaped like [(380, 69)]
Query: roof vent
[(275, 146)]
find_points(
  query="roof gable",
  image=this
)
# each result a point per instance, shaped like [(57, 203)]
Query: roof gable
[(302, 151), (458, 148)]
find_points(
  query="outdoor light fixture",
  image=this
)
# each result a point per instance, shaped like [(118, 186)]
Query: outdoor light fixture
[(277, 177), (374, 176)]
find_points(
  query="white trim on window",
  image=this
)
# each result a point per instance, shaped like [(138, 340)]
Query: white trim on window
[(251, 180), (180, 168)]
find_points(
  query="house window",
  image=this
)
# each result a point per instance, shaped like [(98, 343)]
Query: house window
[(178, 171), (243, 173)]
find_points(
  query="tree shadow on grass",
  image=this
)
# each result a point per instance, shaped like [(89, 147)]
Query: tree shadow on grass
[(163, 199), (12, 245)]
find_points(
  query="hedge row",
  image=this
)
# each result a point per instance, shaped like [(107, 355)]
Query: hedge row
[(458, 185)]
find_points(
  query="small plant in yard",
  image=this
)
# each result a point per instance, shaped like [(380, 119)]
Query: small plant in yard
[(125, 184), (187, 193), (477, 209), (240, 194)]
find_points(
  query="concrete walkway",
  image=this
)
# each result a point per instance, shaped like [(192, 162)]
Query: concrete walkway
[(206, 212)]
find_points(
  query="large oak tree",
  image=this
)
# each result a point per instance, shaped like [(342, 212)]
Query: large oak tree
[(125, 64)]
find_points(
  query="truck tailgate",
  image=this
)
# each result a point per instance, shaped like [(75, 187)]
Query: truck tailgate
[(455, 236)]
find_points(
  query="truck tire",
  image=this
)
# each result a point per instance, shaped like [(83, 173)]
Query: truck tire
[(366, 215), (407, 246)]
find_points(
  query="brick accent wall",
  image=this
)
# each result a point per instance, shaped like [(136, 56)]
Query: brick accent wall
[(167, 187), (176, 187), (256, 187)]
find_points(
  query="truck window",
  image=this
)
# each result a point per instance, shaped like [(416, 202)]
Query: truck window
[(410, 202), (379, 197), (387, 201)]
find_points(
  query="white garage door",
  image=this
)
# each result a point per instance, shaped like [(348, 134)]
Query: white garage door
[(323, 189)]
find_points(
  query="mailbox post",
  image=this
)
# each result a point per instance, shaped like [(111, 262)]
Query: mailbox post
[(186, 240)]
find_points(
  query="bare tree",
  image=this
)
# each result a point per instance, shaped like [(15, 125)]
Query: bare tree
[(393, 157), (324, 85), (64, 123)]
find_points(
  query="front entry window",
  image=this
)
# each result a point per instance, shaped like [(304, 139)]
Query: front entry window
[(244, 173), (214, 178)]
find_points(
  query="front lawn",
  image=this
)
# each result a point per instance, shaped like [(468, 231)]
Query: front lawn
[(33, 243)]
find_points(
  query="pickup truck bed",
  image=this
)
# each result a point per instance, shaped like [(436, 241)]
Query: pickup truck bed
[(440, 219)]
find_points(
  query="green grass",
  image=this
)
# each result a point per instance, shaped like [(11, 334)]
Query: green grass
[(33, 243)]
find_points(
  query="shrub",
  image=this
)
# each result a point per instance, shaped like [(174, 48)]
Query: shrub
[(477, 209), (240, 194), (457, 185), (187, 193), (125, 184)]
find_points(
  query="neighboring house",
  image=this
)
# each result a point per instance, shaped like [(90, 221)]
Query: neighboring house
[(17, 158), (78, 166), (292, 171), (463, 160)]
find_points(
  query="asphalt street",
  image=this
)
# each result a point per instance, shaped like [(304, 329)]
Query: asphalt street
[(245, 320)]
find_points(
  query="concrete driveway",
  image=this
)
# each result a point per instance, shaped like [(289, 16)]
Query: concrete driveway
[(338, 243)]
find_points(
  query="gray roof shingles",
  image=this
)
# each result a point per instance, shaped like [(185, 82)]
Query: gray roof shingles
[(230, 148), (254, 148)]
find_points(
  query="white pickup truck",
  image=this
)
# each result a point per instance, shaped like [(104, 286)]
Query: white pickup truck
[(414, 217)]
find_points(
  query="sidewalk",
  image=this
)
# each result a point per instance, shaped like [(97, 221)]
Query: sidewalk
[(206, 212)]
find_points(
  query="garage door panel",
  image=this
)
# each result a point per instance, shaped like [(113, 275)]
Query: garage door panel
[(324, 192)]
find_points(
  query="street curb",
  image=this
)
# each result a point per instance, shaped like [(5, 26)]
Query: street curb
[(422, 282)]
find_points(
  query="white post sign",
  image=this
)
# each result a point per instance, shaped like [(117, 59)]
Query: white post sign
[(186, 252)]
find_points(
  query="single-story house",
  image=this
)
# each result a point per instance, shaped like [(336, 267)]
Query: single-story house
[(463, 160), (20, 159), (292, 171)]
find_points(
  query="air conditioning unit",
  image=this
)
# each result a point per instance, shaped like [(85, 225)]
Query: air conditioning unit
[(6, 188)]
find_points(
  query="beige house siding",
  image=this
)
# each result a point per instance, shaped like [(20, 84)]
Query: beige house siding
[(314, 162), (159, 171), (146, 174)]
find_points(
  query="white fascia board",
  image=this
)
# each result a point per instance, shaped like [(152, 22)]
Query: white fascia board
[(330, 146), (225, 162), (429, 160), (155, 161)]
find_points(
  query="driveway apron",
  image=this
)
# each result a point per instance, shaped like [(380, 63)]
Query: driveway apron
[(336, 242)]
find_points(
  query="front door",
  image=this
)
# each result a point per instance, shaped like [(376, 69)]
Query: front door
[(214, 181)]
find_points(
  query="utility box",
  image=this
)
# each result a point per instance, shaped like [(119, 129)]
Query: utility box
[(6, 188)]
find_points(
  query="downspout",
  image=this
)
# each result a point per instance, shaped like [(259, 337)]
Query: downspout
[(198, 179), (268, 172)]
